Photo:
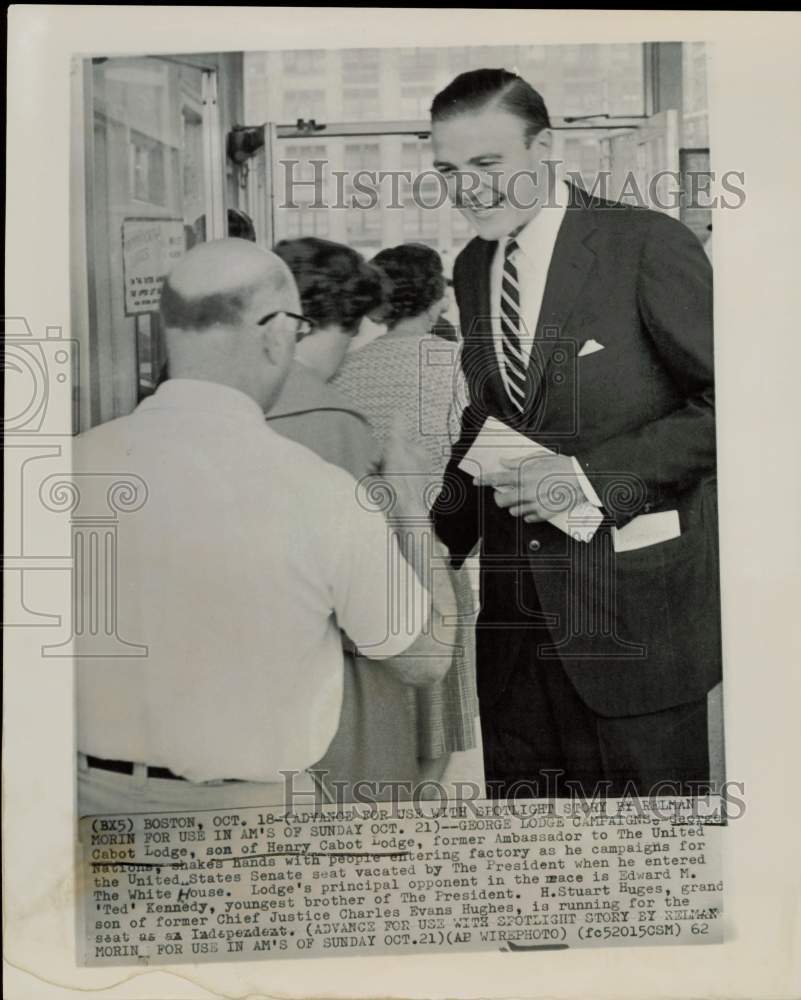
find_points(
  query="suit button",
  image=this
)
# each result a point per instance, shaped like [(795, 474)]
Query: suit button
[(647, 508), (534, 545)]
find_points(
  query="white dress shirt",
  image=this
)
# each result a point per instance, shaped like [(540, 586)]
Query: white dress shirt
[(532, 259), (238, 572)]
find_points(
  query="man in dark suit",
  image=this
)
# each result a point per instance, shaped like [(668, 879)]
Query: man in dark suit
[(587, 328)]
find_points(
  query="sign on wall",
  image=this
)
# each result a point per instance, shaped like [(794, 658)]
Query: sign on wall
[(150, 249)]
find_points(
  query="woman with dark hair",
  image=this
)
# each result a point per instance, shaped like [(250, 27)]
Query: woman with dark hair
[(416, 290), (337, 290), (409, 376), (377, 739), (406, 372)]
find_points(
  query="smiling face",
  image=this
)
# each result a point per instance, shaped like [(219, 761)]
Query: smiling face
[(496, 179)]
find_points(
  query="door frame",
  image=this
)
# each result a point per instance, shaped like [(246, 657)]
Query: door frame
[(94, 399)]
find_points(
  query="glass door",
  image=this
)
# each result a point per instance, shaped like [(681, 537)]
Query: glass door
[(153, 189), (260, 188), (644, 163)]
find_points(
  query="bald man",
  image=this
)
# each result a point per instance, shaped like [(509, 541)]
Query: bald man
[(239, 573)]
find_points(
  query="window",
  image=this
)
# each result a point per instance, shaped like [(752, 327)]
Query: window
[(474, 57), (361, 102), (194, 195), (364, 227), (416, 159), (361, 160), (146, 174), (695, 118), (398, 84), (304, 61), (415, 100), (417, 64), (361, 66), (421, 225), (305, 221), (147, 170), (626, 80), (424, 199), (300, 172), (303, 182), (592, 79), (582, 156), (365, 155), (533, 54), (304, 104)]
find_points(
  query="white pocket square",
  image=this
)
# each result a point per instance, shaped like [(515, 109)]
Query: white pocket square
[(590, 347), (645, 530)]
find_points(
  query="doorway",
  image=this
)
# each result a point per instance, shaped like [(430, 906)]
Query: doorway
[(153, 187)]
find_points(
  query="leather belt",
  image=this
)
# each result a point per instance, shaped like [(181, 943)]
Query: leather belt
[(127, 767)]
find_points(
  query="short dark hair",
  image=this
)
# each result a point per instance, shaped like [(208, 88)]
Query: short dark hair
[(335, 283), (239, 225), (204, 311), (474, 90), (414, 280)]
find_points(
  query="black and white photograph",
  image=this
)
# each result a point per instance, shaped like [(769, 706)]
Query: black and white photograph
[(399, 547), (477, 282)]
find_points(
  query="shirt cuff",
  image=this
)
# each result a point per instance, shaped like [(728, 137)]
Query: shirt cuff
[(586, 486)]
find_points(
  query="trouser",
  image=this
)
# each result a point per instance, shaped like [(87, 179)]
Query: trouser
[(541, 741), (102, 792)]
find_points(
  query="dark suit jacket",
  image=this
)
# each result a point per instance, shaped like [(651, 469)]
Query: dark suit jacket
[(637, 631)]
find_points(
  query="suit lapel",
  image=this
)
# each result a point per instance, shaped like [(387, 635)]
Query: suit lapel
[(483, 362), (572, 263), (486, 252)]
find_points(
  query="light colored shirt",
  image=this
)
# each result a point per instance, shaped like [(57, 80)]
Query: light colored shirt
[(535, 245), (532, 259), (238, 572)]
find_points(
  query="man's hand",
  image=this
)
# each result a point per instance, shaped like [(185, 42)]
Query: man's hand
[(407, 473), (535, 488)]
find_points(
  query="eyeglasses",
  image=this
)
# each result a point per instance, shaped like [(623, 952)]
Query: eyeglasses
[(305, 326)]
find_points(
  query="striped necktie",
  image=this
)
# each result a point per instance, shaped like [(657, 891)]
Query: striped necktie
[(515, 365)]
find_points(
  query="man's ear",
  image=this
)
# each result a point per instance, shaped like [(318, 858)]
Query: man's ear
[(278, 341), (543, 156), (540, 150), (542, 143)]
